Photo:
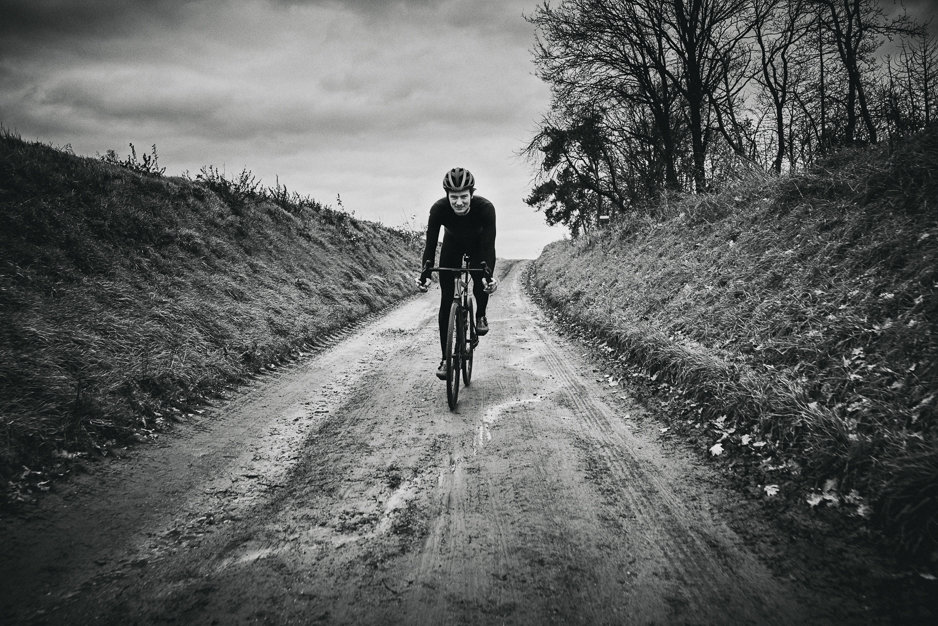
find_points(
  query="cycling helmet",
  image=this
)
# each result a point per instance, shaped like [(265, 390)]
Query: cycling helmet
[(459, 179)]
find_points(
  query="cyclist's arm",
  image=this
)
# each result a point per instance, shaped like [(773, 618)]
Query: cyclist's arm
[(433, 235), (487, 242)]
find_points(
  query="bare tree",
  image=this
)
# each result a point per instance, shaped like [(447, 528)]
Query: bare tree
[(919, 67), (668, 57), (611, 51), (779, 27), (858, 28), (703, 34)]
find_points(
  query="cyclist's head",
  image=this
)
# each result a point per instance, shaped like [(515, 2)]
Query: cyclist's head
[(459, 184), (459, 179)]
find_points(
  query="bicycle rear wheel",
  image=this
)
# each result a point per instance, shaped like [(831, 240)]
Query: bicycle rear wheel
[(469, 340), (452, 356)]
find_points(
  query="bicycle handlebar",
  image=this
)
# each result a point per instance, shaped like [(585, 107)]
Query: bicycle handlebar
[(457, 269), (483, 269)]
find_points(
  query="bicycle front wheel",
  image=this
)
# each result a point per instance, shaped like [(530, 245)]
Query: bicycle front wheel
[(469, 341), (453, 356)]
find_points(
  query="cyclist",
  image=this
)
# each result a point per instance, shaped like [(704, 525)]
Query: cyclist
[(468, 223)]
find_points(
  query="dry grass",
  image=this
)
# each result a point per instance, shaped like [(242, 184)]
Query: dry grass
[(804, 310), (127, 299)]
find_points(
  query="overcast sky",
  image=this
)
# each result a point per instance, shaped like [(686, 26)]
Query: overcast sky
[(366, 99)]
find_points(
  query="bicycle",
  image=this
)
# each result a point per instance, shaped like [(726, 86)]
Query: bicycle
[(461, 336)]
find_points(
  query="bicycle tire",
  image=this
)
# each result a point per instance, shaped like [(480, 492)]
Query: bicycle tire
[(452, 357), (469, 336)]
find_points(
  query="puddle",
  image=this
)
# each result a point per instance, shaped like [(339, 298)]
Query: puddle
[(248, 555), (491, 416), (294, 414), (398, 500), (253, 555), (353, 527), (326, 535)]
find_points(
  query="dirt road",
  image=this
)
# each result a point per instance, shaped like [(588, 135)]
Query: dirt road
[(343, 490)]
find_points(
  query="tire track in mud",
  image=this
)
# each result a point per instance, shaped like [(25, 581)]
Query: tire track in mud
[(465, 558), (699, 559), (532, 552), (540, 485), (475, 555), (696, 564), (548, 489)]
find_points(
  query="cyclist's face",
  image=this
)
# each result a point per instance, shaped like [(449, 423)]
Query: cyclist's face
[(459, 200)]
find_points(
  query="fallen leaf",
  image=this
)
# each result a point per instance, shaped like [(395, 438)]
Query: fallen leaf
[(717, 449), (770, 490), (746, 439), (925, 401), (853, 497), (829, 494)]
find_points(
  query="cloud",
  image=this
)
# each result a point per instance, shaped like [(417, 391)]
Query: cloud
[(365, 7), (373, 100), (27, 23), (462, 13), (920, 11), (391, 83)]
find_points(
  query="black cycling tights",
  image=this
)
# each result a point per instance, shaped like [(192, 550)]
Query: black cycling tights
[(447, 290)]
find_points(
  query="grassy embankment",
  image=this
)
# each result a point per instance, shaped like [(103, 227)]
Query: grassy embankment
[(790, 327), (127, 299)]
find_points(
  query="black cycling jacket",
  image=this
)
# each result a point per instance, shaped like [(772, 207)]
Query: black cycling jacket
[(472, 234)]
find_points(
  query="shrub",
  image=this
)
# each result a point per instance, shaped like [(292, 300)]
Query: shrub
[(147, 165)]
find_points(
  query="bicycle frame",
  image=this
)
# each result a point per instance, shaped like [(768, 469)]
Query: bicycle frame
[(461, 337)]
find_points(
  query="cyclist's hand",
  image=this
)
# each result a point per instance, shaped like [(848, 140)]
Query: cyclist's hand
[(489, 285), (423, 284)]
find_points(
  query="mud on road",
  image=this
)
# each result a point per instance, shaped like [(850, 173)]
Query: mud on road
[(343, 490)]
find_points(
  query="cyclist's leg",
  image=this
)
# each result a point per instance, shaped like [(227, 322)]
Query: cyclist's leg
[(447, 289), (478, 289), (482, 298)]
